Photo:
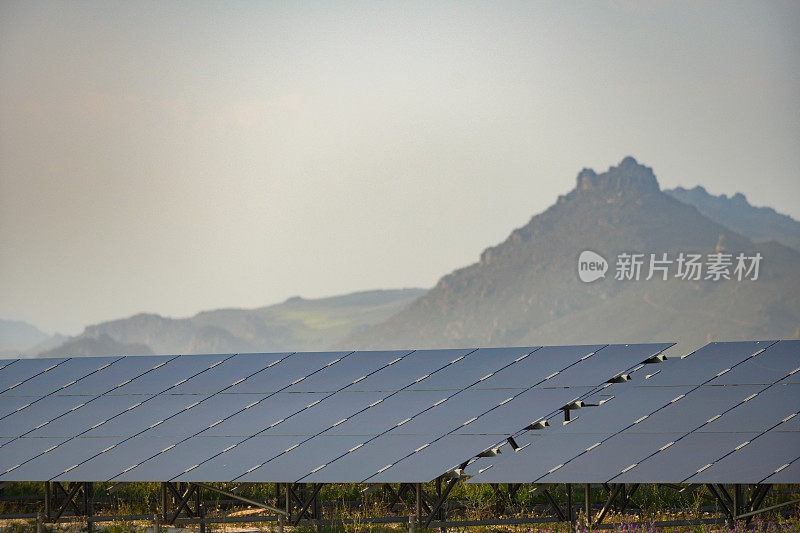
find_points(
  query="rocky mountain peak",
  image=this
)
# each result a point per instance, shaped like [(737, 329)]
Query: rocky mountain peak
[(629, 175)]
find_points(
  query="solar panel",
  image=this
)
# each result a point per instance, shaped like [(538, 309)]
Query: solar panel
[(463, 372), (62, 376), (283, 417), (356, 366), (48, 464), (20, 372), (766, 367), (751, 464), (511, 414), (6, 362), (169, 373), (226, 373), (246, 456), (101, 464), (169, 462), (293, 464), (11, 404), (288, 371), (15, 452), (365, 459), (38, 414), (785, 473), (686, 457), (693, 409), (261, 413), (314, 418), (642, 436), (140, 414), (706, 362), (428, 363)]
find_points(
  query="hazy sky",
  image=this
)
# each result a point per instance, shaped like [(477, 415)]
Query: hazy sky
[(177, 156)]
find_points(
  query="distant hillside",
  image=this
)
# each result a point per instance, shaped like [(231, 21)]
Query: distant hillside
[(102, 345), (759, 224), (296, 324), (526, 290), (16, 336)]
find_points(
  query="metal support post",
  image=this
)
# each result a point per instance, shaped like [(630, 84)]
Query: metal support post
[(88, 505), (418, 501), (587, 494), (198, 507), (164, 501), (569, 500), (47, 510)]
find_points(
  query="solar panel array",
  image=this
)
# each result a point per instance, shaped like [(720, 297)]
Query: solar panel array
[(386, 416), (728, 413)]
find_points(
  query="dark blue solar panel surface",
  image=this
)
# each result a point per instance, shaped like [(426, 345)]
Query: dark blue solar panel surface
[(170, 373), (195, 417), (752, 463), (175, 461), (354, 367), (225, 374), (62, 376), (699, 427), (23, 370), (785, 473), (289, 371), (62, 458), (421, 363), (250, 454)]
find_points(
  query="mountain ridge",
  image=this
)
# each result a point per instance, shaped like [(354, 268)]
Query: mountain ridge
[(295, 324), (523, 290), (760, 224)]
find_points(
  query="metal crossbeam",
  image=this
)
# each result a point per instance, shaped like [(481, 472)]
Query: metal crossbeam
[(440, 501), (307, 503), (613, 493)]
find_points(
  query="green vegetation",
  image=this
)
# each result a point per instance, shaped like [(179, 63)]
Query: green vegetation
[(348, 502)]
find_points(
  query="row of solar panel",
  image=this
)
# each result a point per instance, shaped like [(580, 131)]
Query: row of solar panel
[(722, 429), (425, 404)]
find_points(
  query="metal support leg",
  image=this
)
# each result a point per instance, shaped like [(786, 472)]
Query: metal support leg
[(88, 505), (287, 504), (418, 487), (587, 495), (440, 501), (47, 503), (164, 502), (628, 498), (198, 508), (561, 516), (614, 492), (569, 502)]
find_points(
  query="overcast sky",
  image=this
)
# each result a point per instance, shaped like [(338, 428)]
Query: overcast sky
[(177, 156)]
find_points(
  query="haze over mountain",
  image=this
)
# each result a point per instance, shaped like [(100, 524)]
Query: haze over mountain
[(17, 335), (526, 290), (296, 324), (759, 224)]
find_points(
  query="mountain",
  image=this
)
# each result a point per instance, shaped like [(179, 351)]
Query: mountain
[(102, 345), (759, 224), (296, 324), (17, 336), (526, 290)]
